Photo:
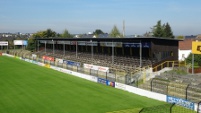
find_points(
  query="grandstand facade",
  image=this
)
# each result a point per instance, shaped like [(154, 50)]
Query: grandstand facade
[(146, 51)]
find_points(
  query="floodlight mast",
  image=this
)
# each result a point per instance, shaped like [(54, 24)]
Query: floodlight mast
[(112, 52), (45, 46), (92, 54), (53, 46), (76, 48), (64, 48)]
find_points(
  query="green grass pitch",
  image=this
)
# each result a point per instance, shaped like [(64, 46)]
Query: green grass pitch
[(28, 88)]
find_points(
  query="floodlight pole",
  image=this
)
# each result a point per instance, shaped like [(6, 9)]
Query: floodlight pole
[(112, 52), (76, 49), (38, 45), (92, 50), (64, 48), (53, 46), (140, 54), (45, 47)]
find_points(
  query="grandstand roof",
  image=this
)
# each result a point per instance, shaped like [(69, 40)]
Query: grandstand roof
[(110, 39)]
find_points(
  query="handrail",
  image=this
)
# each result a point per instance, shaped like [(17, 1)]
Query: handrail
[(174, 63)]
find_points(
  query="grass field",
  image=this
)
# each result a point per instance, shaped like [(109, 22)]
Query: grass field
[(28, 88)]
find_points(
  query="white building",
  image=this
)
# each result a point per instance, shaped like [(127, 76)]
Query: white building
[(185, 47)]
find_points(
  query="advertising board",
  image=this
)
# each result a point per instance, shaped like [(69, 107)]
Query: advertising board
[(59, 60), (137, 45), (34, 56), (3, 43), (106, 82), (20, 42), (97, 68), (196, 47), (180, 102), (48, 58), (72, 63), (94, 43), (111, 44)]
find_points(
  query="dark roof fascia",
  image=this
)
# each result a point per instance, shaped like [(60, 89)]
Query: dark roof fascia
[(109, 39)]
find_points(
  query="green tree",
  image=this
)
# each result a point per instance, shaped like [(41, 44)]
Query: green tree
[(164, 30), (180, 37), (97, 32), (66, 34), (49, 33), (168, 31), (197, 59), (158, 30), (40, 34), (31, 44), (115, 33)]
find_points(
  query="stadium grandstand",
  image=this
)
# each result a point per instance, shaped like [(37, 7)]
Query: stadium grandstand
[(123, 56), (137, 52)]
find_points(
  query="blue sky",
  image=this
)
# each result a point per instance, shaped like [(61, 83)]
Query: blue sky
[(82, 16)]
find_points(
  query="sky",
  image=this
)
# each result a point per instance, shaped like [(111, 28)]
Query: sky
[(83, 16)]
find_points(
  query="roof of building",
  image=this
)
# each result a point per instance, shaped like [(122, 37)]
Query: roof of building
[(185, 44)]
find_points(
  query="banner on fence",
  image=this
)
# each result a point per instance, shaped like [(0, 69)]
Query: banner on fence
[(72, 63), (97, 68), (33, 55), (59, 60), (106, 82), (181, 102), (48, 58)]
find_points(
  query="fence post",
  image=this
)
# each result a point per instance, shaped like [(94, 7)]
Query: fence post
[(167, 88), (199, 107), (187, 91), (171, 107), (152, 83)]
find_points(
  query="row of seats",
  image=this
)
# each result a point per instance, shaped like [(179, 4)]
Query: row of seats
[(114, 62)]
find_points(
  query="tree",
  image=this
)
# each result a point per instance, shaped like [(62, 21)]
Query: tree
[(31, 44), (40, 34), (66, 34), (97, 32), (162, 30), (180, 37), (115, 33), (197, 59), (168, 31), (158, 30), (49, 33)]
